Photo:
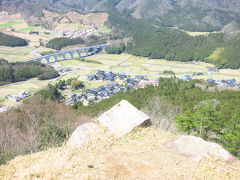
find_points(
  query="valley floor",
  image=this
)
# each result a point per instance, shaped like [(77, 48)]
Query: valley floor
[(131, 65)]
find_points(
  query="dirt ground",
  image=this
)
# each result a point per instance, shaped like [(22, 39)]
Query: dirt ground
[(139, 155)]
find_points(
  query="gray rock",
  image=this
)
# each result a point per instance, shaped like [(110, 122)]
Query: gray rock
[(196, 148), (122, 118), (83, 134)]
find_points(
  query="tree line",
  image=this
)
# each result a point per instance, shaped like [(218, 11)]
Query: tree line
[(21, 71), (12, 41), (59, 43), (172, 44)]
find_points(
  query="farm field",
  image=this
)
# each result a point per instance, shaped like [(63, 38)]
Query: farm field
[(20, 28), (9, 24), (15, 25), (132, 65), (13, 54), (27, 29), (31, 86), (152, 68)]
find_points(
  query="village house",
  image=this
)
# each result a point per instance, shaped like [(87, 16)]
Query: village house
[(17, 98), (185, 77), (212, 70)]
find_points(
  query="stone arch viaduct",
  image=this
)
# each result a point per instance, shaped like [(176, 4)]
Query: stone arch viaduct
[(69, 54)]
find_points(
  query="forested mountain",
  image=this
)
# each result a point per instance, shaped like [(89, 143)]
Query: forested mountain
[(194, 15), (152, 25)]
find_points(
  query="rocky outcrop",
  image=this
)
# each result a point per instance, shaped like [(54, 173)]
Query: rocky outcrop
[(119, 120), (94, 152), (122, 118), (82, 135), (138, 155), (196, 148)]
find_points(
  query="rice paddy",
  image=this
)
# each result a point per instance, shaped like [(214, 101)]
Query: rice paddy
[(9, 24)]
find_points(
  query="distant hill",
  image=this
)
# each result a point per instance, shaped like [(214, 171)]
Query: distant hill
[(156, 21), (193, 15)]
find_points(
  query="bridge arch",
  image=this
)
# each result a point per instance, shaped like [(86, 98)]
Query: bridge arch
[(71, 54), (43, 60), (52, 58)]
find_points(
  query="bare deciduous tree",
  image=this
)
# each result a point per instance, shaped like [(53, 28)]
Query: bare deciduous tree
[(162, 114)]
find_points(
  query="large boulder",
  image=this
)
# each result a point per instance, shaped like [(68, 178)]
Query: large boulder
[(196, 148), (122, 118), (83, 134)]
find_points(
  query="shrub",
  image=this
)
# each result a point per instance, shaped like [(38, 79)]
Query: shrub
[(69, 81), (60, 85), (168, 72), (47, 53), (201, 122), (50, 93), (76, 84), (51, 135), (115, 49)]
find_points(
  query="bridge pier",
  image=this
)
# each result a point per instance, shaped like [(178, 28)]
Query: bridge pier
[(71, 54), (64, 56), (55, 57), (86, 51), (48, 59), (95, 50), (79, 51)]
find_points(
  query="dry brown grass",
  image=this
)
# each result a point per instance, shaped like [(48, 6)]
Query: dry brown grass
[(95, 19), (139, 155), (73, 20)]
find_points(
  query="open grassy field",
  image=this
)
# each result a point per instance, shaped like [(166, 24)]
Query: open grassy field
[(20, 53), (197, 33), (31, 86), (15, 25), (104, 28), (16, 53), (193, 33), (27, 29), (26, 52), (9, 24)]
